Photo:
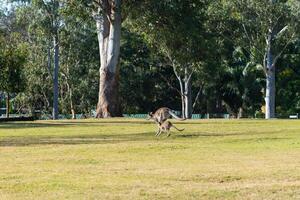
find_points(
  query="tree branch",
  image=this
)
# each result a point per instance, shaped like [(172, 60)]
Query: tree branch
[(283, 49), (197, 97), (250, 40), (231, 40), (190, 76), (105, 9), (170, 85)]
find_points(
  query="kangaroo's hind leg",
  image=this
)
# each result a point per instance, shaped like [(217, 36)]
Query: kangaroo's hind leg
[(158, 132), (168, 133)]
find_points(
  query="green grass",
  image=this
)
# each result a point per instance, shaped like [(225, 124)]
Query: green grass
[(121, 159)]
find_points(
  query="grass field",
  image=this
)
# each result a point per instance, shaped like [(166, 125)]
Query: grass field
[(121, 159)]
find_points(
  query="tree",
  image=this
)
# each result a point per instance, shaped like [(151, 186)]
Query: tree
[(269, 27), (143, 86), (79, 63), (50, 22), (175, 28), (12, 60), (108, 17), (77, 75), (240, 84)]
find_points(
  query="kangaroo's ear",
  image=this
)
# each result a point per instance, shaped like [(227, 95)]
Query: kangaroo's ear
[(150, 113)]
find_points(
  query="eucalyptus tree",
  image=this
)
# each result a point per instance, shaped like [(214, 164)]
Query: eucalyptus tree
[(268, 27), (79, 63), (37, 93), (108, 16), (108, 21), (52, 22), (48, 20), (175, 28), (12, 60), (12, 57), (47, 15)]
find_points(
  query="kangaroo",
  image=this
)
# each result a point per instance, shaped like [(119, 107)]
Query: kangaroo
[(165, 127), (162, 114)]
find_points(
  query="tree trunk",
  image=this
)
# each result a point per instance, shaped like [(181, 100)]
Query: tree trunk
[(7, 105), (73, 113), (182, 106), (182, 98), (270, 80), (55, 77), (240, 113), (270, 94), (70, 98), (187, 94), (188, 99), (71, 103), (109, 34)]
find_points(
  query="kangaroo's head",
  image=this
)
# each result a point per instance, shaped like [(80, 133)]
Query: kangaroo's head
[(150, 116)]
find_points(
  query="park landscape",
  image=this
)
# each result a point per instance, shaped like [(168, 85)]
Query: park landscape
[(78, 77), (120, 158)]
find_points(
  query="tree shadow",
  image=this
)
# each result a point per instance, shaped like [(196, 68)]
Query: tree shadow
[(106, 122), (115, 138), (22, 125), (207, 134), (75, 139)]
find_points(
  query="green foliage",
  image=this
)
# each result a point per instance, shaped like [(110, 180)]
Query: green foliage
[(142, 85), (174, 27), (12, 60), (241, 85), (288, 78), (222, 42)]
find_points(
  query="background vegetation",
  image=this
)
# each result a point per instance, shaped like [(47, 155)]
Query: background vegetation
[(219, 44)]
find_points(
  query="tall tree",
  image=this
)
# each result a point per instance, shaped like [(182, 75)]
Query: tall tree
[(108, 20), (269, 27), (51, 23), (12, 60), (108, 17), (175, 28)]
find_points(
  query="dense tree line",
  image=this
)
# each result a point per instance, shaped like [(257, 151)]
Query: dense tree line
[(114, 57)]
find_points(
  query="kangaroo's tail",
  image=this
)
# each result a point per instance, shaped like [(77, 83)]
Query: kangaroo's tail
[(175, 116), (177, 128)]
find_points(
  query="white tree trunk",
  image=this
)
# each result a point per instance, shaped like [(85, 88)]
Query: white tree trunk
[(187, 95), (270, 94), (182, 99), (109, 34), (270, 79), (185, 92), (7, 105), (55, 77)]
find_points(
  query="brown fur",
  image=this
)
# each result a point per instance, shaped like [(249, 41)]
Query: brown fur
[(165, 127), (162, 114)]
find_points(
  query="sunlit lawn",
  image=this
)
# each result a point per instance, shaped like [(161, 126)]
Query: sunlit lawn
[(121, 159)]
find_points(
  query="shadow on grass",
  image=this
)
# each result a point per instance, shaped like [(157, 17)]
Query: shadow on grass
[(22, 125), (37, 124), (119, 138), (75, 139)]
